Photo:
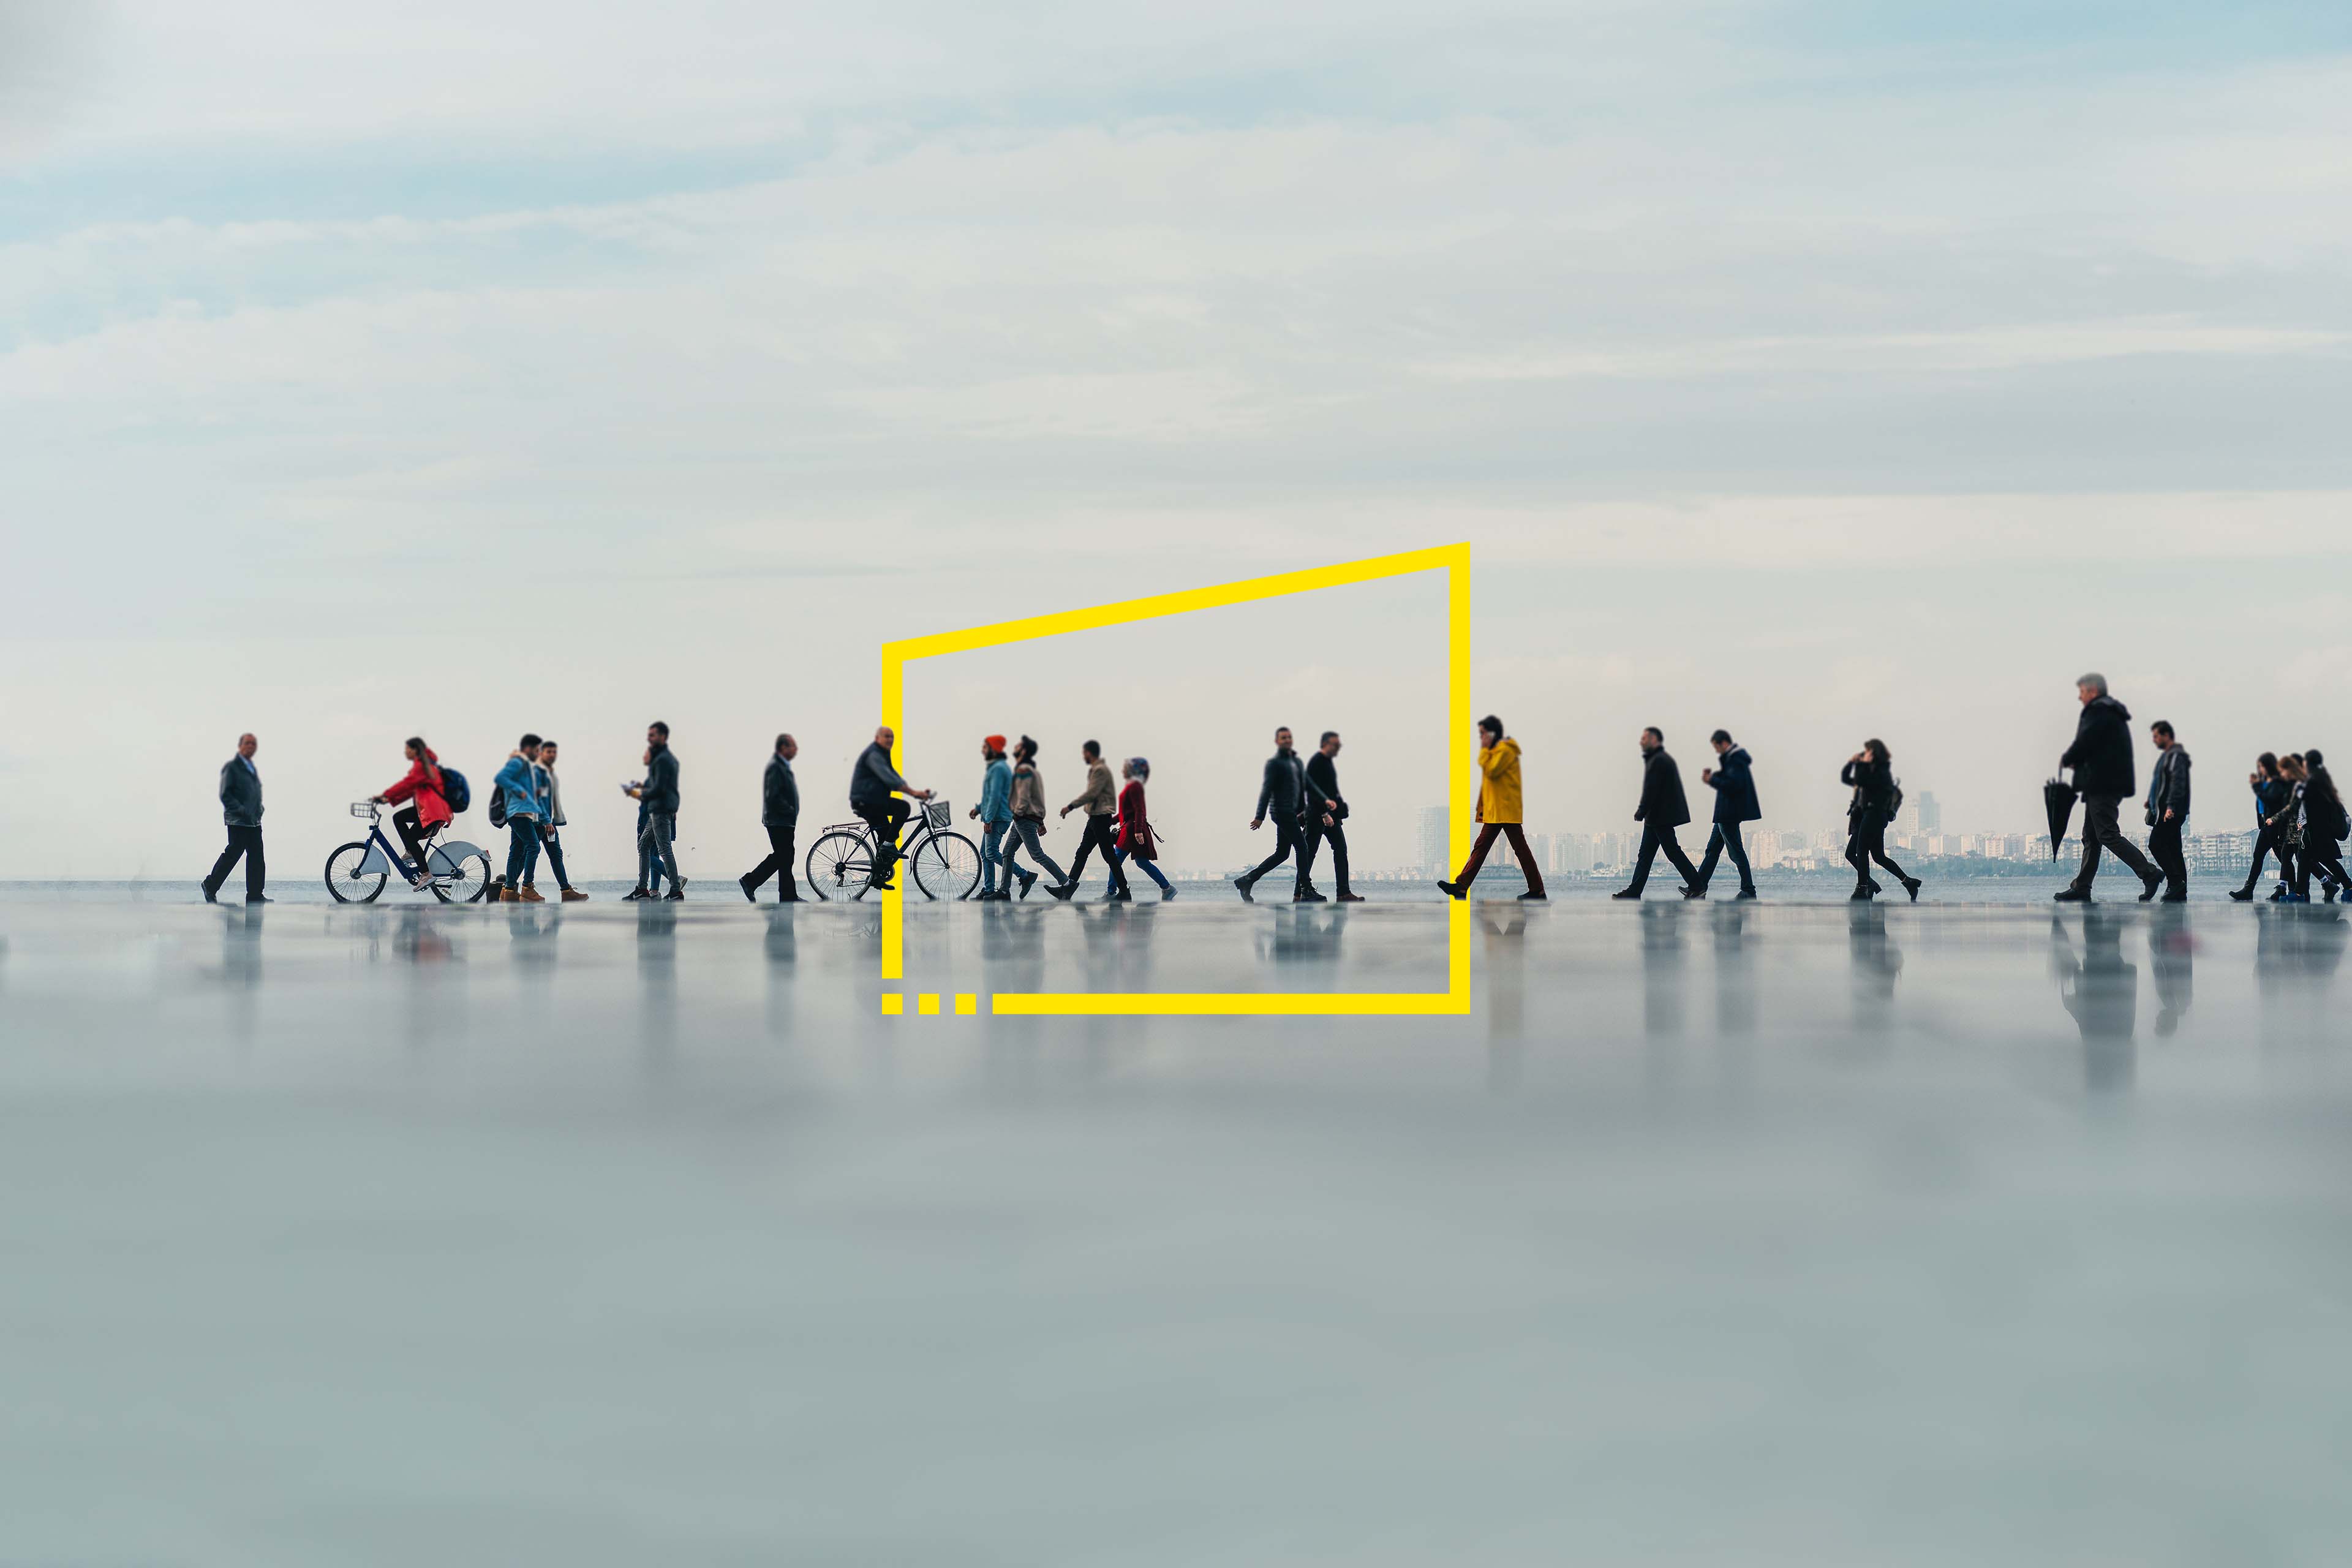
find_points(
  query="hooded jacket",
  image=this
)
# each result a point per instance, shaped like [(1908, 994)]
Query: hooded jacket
[(2101, 755), (1499, 798), (1663, 802), (1734, 788), (517, 782)]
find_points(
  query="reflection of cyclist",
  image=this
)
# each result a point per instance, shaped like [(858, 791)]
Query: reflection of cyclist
[(428, 811), (874, 789)]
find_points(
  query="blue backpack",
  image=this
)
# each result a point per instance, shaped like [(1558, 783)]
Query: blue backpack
[(456, 790)]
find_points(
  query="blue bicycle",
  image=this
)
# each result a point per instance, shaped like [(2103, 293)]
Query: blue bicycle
[(457, 873)]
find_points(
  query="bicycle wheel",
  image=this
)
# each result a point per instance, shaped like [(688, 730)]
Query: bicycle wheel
[(466, 884), (946, 866), (347, 882), (839, 866)]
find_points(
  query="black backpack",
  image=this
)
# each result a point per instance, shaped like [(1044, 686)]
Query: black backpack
[(497, 805), (1894, 799), (456, 790)]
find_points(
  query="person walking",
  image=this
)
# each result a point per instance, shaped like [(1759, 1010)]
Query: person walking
[(427, 808), (1100, 803), (2101, 757), (995, 814), (2272, 792), (240, 798), (779, 815), (1502, 810), (650, 889), (2167, 810), (2324, 824), (1871, 772), (1324, 817), (657, 845), (1734, 784), (519, 788), (1663, 809), (1135, 836), (551, 832), (1029, 824), (1282, 792), (874, 789)]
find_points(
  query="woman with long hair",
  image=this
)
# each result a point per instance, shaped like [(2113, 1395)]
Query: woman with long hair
[(428, 809), (2323, 825), (1872, 775), (2273, 791)]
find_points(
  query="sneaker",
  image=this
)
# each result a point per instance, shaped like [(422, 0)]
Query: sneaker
[(574, 896), (675, 896), (2071, 894), (1166, 894), (636, 893)]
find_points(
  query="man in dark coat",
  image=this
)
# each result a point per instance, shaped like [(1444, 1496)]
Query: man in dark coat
[(1735, 803), (1663, 809), (1281, 797), (2101, 757), (779, 813), (240, 798), (874, 789), (2167, 811), (1325, 815)]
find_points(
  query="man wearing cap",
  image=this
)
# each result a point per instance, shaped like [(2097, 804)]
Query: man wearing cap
[(995, 814)]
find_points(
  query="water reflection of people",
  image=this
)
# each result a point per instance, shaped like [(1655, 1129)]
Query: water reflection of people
[(781, 945), (1308, 933), (2172, 959), (2297, 950), (1503, 936), (658, 974), (1877, 964), (2100, 990), (1666, 950), (1734, 971)]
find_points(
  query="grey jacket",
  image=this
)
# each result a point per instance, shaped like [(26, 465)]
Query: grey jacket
[(875, 781), (780, 795), (240, 793), (552, 794), (2167, 785)]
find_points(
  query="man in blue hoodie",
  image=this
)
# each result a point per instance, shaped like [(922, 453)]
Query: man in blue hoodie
[(995, 814), (518, 784), (1735, 803)]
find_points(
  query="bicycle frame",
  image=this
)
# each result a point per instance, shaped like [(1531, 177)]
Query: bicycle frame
[(443, 860)]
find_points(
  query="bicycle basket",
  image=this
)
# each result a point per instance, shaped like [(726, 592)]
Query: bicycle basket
[(938, 813), (362, 808)]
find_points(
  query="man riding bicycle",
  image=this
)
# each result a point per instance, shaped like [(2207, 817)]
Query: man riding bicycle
[(874, 789)]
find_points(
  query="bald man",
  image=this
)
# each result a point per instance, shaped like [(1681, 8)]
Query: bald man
[(240, 798)]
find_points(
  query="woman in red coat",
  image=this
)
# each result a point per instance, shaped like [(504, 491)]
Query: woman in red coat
[(1135, 839), (429, 811)]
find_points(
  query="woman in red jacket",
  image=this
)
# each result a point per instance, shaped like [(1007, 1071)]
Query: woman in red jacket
[(1135, 830), (428, 813)]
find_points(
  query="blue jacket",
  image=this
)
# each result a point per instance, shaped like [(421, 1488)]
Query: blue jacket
[(996, 793), (1734, 788), (517, 782)]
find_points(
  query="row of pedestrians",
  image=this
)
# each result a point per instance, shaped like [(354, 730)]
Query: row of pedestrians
[(1012, 818)]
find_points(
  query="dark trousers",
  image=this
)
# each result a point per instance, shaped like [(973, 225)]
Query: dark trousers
[(1099, 835), (1724, 839), (555, 858), (411, 828), (1311, 841), (779, 863), (886, 819), (523, 848), (2318, 855), (1654, 839), (1867, 842), (2164, 848), (1285, 839), (1488, 832), (2266, 842), (247, 842), (2103, 830)]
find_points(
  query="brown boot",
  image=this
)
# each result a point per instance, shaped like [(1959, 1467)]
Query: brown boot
[(509, 896), (574, 896), (530, 895)]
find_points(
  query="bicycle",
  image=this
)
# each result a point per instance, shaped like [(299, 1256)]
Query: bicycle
[(457, 873), (946, 863)]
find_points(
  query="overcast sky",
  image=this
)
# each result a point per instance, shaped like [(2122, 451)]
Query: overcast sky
[(1818, 370)]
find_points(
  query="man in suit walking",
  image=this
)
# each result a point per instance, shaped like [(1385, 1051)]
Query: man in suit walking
[(779, 813), (1735, 803), (240, 798), (1325, 815), (1663, 809)]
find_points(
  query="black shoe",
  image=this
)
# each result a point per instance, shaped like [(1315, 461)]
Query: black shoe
[(1452, 889), (1626, 893), (1529, 896), (2278, 894), (1028, 880), (1862, 895), (2242, 895), (1062, 892), (2071, 894), (2174, 899), (1244, 884), (750, 897), (1308, 896), (1347, 898), (1124, 896), (2153, 885), (795, 898), (257, 899), (211, 893), (635, 894), (1911, 885), (1690, 892), (675, 896), (1744, 895), (1874, 886)]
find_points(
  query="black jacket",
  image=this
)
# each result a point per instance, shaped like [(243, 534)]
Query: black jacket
[(240, 794), (2101, 755), (1324, 775), (1734, 788), (2167, 785), (660, 792), (1873, 789), (780, 795), (1284, 786), (1663, 805), (875, 781)]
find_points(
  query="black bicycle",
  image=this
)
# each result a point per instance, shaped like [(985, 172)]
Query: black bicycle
[(946, 864)]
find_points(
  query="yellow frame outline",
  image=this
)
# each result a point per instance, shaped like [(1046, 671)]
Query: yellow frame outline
[(1454, 559)]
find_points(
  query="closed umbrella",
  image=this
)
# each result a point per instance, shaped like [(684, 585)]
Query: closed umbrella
[(2058, 799)]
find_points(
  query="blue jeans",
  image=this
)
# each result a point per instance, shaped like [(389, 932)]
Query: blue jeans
[(1120, 858), (555, 858), (992, 856), (523, 848)]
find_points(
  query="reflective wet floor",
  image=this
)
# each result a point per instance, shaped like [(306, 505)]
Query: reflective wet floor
[(1713, 1234)]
